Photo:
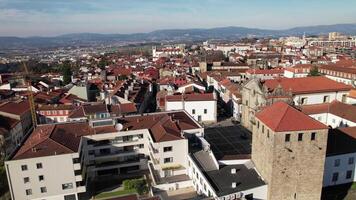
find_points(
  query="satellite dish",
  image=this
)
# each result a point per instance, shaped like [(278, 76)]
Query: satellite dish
[(119, 127)]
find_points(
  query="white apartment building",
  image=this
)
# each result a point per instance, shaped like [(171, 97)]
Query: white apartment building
[(58, 161), (202, 107), (340, 165)]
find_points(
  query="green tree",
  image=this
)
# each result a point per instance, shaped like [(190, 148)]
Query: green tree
[(314, 72), (66, 72), (139, 185)]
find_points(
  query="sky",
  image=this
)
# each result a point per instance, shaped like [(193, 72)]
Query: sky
[(56, 17)]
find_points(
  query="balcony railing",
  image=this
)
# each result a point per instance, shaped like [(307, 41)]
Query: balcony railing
[(114, 153)]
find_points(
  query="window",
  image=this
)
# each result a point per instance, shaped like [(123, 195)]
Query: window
[(67, 186), (348, 174), (287, 138), (351, 160), (26, 180), (258, 124), (263, 128), (335, 177), (193, 111), (326, 99), (141, 146), (166, 149), (304, 100), (313, 135), (43, 189), (300, 136), (267, 133), (70, 197), (39, 165), (24, 167), (41, 178), (337, 163), (205, 111), (28, 192), (168, 160)]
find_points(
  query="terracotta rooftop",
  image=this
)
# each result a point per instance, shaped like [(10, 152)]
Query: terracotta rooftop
[(281, 117), (307, 85), (55, 107), (191, 97), (15, 107), (8, 123), (163, 126), (55, 139), (93, 109), (337, 108)]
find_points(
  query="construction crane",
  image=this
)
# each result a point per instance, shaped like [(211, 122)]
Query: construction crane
[(30, 95)]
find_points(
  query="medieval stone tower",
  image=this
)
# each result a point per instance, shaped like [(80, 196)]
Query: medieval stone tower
[(288, 150)]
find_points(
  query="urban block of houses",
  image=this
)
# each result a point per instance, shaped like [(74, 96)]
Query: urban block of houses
[(201, 106), (334, 114)]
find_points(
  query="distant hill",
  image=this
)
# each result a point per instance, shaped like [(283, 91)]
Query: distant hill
[(88, 39)]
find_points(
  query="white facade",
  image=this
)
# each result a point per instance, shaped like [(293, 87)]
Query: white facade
[(201, 111), (332, 120), (339, 169), (318, 98), (203, 186), (44, 178)]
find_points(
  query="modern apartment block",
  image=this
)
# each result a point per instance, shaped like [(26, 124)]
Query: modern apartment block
[(288, 149), (106, 147)]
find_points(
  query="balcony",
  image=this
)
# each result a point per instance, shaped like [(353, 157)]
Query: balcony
[(81, 189), (78, 178), (113, 142), (76, 166), (115, 153), (115, 163)]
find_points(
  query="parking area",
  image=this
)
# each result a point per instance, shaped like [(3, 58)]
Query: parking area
[(229, 142)]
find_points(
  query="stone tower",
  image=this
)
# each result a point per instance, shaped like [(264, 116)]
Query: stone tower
[(288, 149)]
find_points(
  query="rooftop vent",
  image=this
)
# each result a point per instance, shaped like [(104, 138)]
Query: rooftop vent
[(233, 171), (233, 185)]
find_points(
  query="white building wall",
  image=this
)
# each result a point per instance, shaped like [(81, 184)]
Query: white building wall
[(344, 166), (340, 79), (54, 176), (332, 120), (317, 98), (198, 107)]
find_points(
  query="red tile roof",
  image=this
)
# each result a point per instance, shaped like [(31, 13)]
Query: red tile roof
[(337, 108), (307, 85), (15, 107), (163, 126), (50, 140), (191, 97), (55, 139), (281, 117)]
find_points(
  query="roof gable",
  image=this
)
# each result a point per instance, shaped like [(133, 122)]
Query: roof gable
[(281, 117)]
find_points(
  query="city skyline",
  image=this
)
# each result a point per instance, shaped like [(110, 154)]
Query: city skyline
[(44, 18)]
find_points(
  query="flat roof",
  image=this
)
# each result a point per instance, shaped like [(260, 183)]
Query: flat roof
[(228, 143), (222, 179)]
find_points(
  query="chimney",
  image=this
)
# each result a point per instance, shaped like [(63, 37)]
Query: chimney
[(233, 185), (233, 171)]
